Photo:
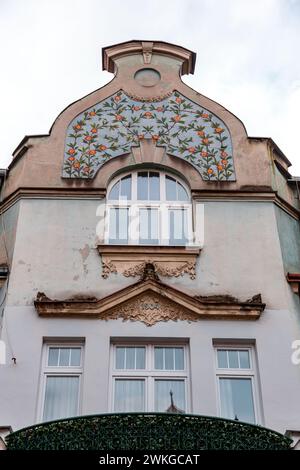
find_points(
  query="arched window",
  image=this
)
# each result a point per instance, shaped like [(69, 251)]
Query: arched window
[(149, 208)]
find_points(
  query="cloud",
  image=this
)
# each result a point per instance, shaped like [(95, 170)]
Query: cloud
[(247, 58)]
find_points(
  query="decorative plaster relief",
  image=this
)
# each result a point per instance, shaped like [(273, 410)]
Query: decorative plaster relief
[(131, 261), (151, 309), (163, 269), (186, 130)]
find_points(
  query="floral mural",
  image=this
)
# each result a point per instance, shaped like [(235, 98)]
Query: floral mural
[(111, 127)]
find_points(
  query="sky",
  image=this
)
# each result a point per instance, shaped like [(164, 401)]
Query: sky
[(247, 59)]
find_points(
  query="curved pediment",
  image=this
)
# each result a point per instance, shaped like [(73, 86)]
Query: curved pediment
[(150, 301), (113, 126)]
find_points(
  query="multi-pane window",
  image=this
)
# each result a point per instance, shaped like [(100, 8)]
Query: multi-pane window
[(236, 388), (62, 371), (149, 208), (149, 377)]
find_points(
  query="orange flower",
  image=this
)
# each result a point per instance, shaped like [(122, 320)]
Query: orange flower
[(119, 117), (94, 130), (201, 133), (192, 149), (92, 152), (92, 113), (88, 138), (220, 167), (141, 136), (205, 141), (155, 137), (159, 109), (78, 127), (224, 154), (204, 154), (210, 171), (102, 147), (178, 100), (71, 159), (148, 115), (224, 162), (205, 115), (71, 151), (176, 118), (218, 130), (117, 98), (76, 165), (136, 108)]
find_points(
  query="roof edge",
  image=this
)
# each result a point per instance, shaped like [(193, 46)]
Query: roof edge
[(111, 53)]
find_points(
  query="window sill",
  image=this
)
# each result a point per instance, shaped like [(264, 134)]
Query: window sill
[(129, 260)]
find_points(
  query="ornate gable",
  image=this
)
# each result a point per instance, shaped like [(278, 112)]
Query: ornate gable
[(151, 301)]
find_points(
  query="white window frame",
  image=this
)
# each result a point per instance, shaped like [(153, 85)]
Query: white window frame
[(59, 371), (231, 373), (162, 205), (149, 374)]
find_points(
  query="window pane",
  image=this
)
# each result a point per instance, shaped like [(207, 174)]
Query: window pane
[(170, 189), (123, 224), (163, 391), (75, 357), (129, 395), (159, 358), (149, 226), (53, 357), (237, 399), (140, 358), (233, 359), (169, 358), (181, 193), (154, 192), (61, 397), (120, 358), (142, 186), (118, 225), (130, 358), (244, 359), (64, 357), (126, 188), (222, 359), (179, 359), (115, 191), (178, 226), (144, 229)]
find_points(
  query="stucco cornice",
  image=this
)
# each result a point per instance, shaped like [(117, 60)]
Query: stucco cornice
[(111, 53), (100, 193)]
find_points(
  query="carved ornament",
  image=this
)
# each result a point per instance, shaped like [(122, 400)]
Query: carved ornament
[(131, 260)]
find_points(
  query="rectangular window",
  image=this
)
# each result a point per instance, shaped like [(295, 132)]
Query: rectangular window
[(118, 225), (149, 226), (62, 371), (130, 357), (149, 377), (178, 227), (235, 377), (168, 358), (129, 395)]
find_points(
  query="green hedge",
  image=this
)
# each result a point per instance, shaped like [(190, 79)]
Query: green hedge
[(146, 431)]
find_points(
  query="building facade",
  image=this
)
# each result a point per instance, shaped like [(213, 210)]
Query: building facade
[(150, 257)]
